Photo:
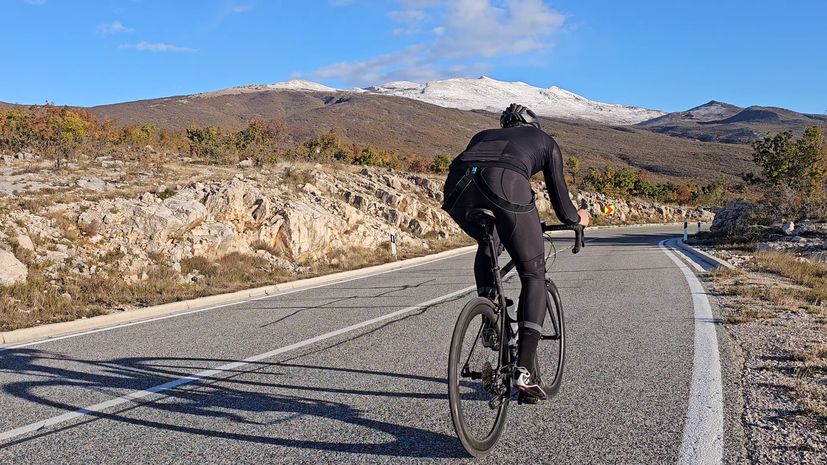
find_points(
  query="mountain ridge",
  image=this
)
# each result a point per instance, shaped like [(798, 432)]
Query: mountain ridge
[(717, 121), (483, 93)]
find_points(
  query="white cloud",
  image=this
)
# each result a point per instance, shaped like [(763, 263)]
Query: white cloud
[(113, 28), (408, 17), (241, 7), (479, 28), (457, 38), (411, 64), (157, 47), (410, 20)]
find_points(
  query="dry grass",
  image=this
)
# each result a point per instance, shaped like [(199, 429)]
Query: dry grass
[(66, 224), (813, 401), (786, 297), (746, 314), (811, 275), (804, 289), (723, 272), (809, 387), (296, 177), (39, 301), (814, 355)]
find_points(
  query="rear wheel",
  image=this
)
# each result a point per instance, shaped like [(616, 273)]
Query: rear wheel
[(551, 352), (477, 395)]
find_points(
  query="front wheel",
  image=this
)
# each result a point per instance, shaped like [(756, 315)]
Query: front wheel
[(478, 395)]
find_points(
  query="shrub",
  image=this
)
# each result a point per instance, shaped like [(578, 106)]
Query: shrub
[(441, 163), (371, 156), (573, 168), (625, 182), (212, 145)]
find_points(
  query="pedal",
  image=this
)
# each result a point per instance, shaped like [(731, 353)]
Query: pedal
[(523, 398)]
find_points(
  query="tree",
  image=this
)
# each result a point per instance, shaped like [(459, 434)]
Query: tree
[(793, 173), (573, 167), (798, 164)]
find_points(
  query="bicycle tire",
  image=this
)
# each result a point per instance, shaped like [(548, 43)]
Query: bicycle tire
[(554, 307), (476, 446)]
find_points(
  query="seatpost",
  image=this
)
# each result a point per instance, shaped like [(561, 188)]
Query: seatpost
[(495, 268)]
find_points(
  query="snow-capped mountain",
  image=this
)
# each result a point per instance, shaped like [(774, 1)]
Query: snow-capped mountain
[(492, 95), (295, 84), (483, 93)]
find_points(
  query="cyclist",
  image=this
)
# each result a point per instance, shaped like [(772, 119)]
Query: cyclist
[(494, 172)]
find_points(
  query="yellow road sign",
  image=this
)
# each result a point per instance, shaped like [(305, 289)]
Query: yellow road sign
[(608, 209)]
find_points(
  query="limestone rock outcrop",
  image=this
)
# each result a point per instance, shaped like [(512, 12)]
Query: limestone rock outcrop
[(12, 270)]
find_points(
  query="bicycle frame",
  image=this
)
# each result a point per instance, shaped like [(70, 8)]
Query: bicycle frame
[(505, 362)]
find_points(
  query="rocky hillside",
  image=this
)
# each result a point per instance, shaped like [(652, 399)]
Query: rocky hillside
[(291, 216)]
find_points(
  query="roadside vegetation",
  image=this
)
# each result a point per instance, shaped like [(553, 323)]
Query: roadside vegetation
[(65, 135), (625, 183)]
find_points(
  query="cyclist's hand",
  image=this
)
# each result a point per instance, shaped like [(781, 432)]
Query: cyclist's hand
[(584, 217)]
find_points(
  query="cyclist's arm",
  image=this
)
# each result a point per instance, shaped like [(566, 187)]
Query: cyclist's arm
[(558, 192)]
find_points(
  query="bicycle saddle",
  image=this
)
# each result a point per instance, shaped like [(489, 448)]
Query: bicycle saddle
[(480, 216)]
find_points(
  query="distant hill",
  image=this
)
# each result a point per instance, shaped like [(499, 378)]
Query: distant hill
[(416, 127), (721, 122)]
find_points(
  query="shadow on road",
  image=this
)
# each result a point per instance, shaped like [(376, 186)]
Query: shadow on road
[(236, 402), (646, 239), (226, 397)]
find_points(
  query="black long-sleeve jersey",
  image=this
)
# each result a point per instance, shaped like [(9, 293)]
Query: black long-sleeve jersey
[(527, 150)]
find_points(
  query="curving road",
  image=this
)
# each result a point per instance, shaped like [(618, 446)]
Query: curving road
[(354, 372)]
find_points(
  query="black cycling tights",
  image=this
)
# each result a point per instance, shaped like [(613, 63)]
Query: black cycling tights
[(522, 236)]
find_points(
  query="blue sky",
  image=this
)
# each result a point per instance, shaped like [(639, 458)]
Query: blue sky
[(668, 55)]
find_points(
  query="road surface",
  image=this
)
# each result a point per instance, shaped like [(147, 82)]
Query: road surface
[(325, 376)]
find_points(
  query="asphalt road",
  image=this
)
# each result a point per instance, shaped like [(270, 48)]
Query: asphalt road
[(375, 394)]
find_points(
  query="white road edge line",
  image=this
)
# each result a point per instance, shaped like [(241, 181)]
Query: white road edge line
[(703, 432), (229, 304), (5, 436)]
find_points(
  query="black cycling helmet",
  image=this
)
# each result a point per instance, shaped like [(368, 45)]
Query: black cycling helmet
[(516, 115)]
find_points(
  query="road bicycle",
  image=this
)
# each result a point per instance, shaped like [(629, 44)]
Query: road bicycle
[(483, 352)]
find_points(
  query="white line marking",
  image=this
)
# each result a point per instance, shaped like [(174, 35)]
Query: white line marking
[(703, 432), (229, 304), (212, 372)]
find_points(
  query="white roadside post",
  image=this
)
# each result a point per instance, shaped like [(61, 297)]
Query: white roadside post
[(685, 231), (393, 245)]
